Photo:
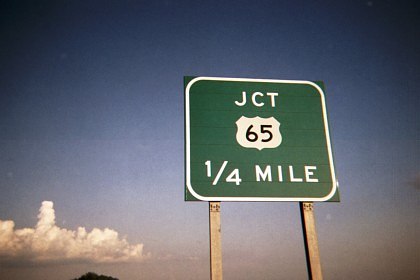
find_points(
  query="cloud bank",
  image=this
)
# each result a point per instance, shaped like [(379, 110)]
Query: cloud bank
[(47, 242)]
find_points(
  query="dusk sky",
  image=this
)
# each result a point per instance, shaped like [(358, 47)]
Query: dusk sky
[(92, 137)]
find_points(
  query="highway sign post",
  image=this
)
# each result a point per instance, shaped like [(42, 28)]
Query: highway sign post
[(259, 140)]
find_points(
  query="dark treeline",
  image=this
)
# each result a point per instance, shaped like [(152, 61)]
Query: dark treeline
[(94, 276)]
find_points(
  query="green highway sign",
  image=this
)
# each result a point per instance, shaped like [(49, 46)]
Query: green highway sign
[(257, 140)]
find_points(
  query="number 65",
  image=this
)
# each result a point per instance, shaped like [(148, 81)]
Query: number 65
[(252, 136)]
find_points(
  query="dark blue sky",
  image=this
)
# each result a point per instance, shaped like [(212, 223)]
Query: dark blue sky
[(92, 118)]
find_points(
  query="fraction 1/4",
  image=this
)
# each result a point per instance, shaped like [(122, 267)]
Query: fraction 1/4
[(233, 177)]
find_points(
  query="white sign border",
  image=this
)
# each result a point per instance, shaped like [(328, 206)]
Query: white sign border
[(224, 198)]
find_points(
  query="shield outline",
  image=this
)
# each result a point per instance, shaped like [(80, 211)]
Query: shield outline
[(244, 122)]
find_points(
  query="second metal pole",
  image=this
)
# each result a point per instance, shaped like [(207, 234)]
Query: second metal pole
[(216, 272), (313, 259)]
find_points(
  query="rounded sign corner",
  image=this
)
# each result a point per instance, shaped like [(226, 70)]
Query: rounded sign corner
[(195, 194)]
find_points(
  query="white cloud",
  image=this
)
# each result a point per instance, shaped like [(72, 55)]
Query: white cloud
[(48, 242)]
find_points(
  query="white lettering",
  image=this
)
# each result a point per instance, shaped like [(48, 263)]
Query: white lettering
[(272, 95), (258, 104), (259, 174), (309, 172), (243, 100), (279, 169), (258, 95), (292, 177)]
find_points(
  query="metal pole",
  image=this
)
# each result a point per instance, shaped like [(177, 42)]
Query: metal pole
[(313, 259), (216, 272)]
